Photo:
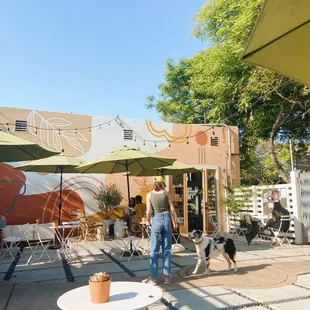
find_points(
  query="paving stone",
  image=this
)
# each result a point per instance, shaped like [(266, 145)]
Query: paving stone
[(304, 280), (5, 292), (37, 276), (292, 259), (37, 296), (206, 298), (158, 306), (91, 258), (257, 308), (298, 304), (35, 266), (4, 267), (275, 294), (89, 269), (139, 265)]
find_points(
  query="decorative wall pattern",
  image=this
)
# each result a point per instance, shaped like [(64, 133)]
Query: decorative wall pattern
[(80, 136)]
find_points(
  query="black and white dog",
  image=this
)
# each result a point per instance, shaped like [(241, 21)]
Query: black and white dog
[(208, 248)]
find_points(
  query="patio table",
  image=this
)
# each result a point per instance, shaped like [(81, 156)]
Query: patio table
[(123, 295), (64, 240)]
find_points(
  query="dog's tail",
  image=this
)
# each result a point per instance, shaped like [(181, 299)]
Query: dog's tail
[(230, 249)]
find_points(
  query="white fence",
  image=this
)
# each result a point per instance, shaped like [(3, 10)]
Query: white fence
[(260, 205), (290, 198)]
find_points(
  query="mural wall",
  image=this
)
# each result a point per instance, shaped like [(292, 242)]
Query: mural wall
[(89, 137)]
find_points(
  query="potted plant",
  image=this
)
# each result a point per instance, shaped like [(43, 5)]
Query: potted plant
[(55, 223), (99, 285), (108, 198)]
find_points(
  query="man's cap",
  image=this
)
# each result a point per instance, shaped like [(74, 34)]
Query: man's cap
[(160, 179)]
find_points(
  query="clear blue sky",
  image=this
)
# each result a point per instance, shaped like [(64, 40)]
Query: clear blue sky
[(100, 57)]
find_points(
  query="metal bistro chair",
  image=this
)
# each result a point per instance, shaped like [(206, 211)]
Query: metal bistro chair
[(215, 223), (281, 235), (10, 243)]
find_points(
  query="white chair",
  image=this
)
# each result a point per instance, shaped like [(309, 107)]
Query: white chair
[(215, 223), (279, 234), (9, 245), (26, 232), (42, 246), (131, 244)]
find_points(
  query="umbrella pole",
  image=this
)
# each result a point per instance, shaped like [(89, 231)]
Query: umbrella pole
[(58, 246), (128, 192), (60, 196), (129, 220)]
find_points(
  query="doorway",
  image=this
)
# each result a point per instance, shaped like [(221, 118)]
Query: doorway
[(195, 201)]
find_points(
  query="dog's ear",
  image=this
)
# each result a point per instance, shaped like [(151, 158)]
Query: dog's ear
[(200, 231)]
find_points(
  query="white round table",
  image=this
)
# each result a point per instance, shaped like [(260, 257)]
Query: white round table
[(123, 295)]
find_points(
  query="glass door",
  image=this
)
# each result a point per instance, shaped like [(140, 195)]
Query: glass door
[(177, 190), (211, 203), (195, 201)]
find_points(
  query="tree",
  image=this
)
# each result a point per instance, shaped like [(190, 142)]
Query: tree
[(215, 86)]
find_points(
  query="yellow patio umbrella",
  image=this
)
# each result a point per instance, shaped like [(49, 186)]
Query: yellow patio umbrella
[(174, 169), (280, 40), (60, 163), (126, 160), (13, 148)]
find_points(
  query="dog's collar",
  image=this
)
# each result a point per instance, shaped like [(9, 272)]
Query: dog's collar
[(199, 241)]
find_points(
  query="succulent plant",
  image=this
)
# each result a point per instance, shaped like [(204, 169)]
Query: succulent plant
[(99, 277)]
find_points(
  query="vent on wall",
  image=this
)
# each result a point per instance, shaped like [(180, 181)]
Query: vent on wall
[(214, 141), (20, 126), (128, 134)]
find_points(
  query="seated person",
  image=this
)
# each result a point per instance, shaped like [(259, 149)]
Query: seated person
[(275, 221), (140, 208), (129, 209)]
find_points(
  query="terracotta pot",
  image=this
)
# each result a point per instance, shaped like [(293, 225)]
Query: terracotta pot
[(99, 291), (55, 224)]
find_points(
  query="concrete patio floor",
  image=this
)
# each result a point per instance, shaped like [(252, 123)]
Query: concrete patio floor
[(267, 277)]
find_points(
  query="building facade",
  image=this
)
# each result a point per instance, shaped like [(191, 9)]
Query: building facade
[(212, 148)]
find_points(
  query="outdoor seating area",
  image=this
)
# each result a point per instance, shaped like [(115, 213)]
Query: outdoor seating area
[(79, 260), (94, 256)]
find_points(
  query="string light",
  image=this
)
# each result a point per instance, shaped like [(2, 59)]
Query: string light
[(213, 133), (118, 121), (58, 129)]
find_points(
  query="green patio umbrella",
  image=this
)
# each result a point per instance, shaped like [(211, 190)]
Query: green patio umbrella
[(13, 148), (60, 163), (174, 169), (280, 40), (126, 160)]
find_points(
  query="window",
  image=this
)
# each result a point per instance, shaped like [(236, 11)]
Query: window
[(20, 126), (128, 134)]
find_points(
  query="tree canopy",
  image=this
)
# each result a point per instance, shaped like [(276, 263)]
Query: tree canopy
[(216, 86)]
